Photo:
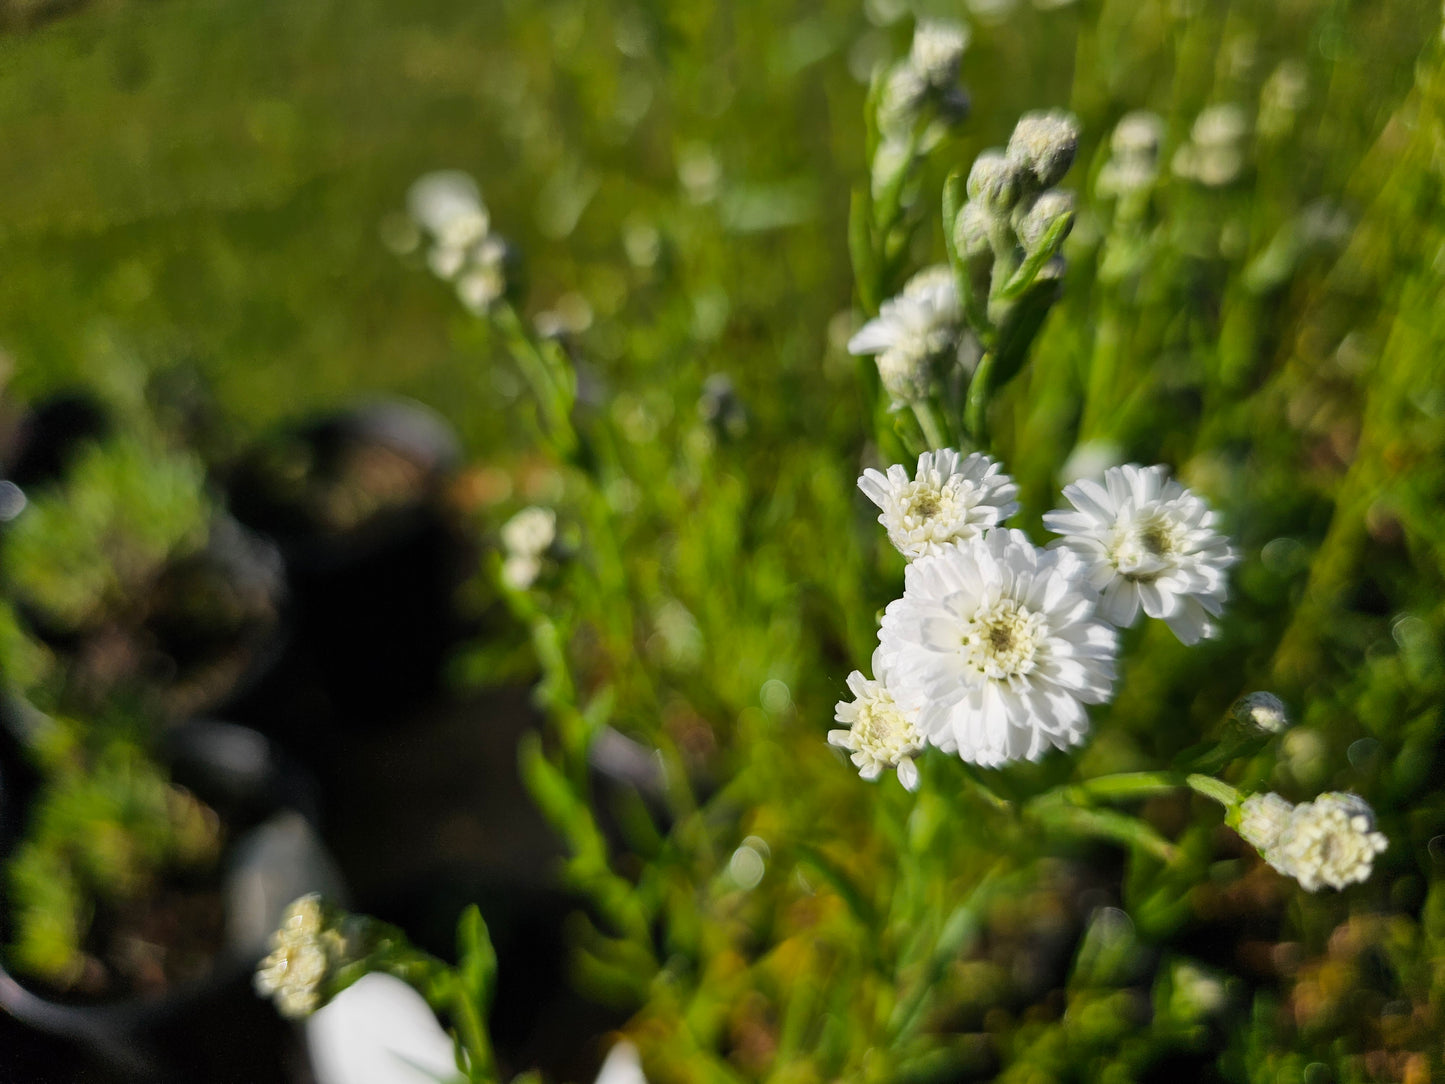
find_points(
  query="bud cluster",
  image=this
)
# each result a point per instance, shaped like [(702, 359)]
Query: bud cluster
[(1014, 213), (306, 951), (446, 208), (1134, 151), (919, 99)]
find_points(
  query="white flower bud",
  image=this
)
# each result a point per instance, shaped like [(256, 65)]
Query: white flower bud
[(1043, 145), (1262, 711), (937, 51), (1140, 133), (970, 230), (906, 374), (900, 103), (1035, 218), (994, 182), (1260, 820)]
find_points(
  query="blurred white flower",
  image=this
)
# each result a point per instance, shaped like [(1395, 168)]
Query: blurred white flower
[(1330, 841), (1147, 543), (448, 205), (999, 644), (301, 957), (530, 531), (950, 498), (881, 733), (913, 330)]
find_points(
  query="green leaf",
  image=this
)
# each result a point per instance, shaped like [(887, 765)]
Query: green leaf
[(476, 959)]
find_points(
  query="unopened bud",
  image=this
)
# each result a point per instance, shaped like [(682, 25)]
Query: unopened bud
[(900, 103), (937, 51), (906, 374), (970, 230), (1043, 145), (993, 182), (1034, 220), (1140, 133), (1263, 712)]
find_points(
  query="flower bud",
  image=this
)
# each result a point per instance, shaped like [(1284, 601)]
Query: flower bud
[(901, 101), (937, 51), (1043, 146), (906, 374), (1261, 711), (1035, 218), (970, 230), (993, 182), (1140, 133)]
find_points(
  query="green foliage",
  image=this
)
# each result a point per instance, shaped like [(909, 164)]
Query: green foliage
[(105, 824), (92, 545), (1263, 316)]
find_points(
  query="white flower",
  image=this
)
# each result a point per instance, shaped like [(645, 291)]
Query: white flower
[(302, 955), (949, 499), (1261, 818), (999, 643), (1330, 841), (448, 205), (881, 733), (913, 330), (1147, 542), (530, 531)]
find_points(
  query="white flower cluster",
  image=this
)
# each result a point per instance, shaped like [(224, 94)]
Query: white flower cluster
[(1330, 841), (1215, 153), (997, 645), (913, 333), (447, 207), (304, 951), (526, 537), (1133, 164)]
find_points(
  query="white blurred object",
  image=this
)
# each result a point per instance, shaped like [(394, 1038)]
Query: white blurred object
[(379, 1031), (275, 863), (622, 1066)]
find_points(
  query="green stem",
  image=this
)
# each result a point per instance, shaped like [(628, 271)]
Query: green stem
[(975, 410), (935, 431), (473, 1031), (1128, 785)]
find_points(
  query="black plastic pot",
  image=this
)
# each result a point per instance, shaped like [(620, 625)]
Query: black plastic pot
[(214, 1029), (373, 585)]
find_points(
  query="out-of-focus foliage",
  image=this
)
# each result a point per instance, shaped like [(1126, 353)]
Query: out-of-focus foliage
[(1259, 311), (96, 542), (106, 824)]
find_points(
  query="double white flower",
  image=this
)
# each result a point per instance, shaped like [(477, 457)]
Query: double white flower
[(1147, 543), (997, 645), (950, 498)]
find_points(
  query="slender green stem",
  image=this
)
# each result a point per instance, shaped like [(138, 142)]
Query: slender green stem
[(935, 430), (1129, 785), (473, 1032)]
